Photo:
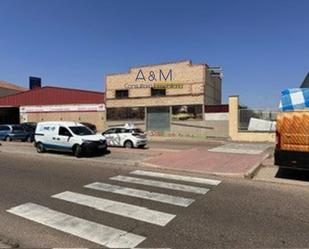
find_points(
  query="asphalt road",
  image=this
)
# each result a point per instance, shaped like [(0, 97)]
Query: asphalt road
[(233, 214)]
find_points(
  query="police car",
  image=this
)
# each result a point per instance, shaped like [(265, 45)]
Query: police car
[(127, 136)]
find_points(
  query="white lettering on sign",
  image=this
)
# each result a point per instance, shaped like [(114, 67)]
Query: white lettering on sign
[(64, 108)]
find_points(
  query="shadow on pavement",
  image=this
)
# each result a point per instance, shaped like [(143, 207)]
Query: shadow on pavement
[(70, 154), (293, 174)]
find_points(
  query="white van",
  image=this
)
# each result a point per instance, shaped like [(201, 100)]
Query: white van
[(68, 136)]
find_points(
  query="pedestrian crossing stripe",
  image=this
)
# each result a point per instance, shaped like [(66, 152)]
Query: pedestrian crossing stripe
[(161, 184), (153, 196), (108, 236), (176, 177), (91, 231), (119, 208)]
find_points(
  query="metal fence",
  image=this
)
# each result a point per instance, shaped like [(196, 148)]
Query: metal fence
[(257, 119)]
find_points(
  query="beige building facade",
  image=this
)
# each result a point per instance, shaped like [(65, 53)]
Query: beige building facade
[(168, 97)]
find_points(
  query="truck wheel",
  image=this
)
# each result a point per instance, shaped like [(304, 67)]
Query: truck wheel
[(128, 144), (29, 140), (77, 151), (40, 148)]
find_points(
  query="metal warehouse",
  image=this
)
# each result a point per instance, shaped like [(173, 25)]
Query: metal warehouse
[(54, 103)]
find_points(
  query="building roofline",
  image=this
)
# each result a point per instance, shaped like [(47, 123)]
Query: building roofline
[(71, 89), (52, 87), (11, 86), (159, 64)]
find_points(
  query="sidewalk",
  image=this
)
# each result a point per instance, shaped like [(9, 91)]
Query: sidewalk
[(228, 160), (223, 159)]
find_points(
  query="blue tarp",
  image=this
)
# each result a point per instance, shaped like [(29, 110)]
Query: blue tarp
[(294, 99)]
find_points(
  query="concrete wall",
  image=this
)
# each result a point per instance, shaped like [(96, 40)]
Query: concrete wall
[(235, 134), (203, 128), (96, 118), (185, 128), (217, 116)]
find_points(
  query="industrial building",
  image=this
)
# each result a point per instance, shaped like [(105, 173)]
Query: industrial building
[(169, 97), (53, 103)]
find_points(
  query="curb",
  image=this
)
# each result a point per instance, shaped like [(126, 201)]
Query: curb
[(250, 173)]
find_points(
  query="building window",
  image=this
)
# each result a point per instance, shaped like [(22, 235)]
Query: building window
[(122, 94), (126, 113), (158, 92), (187, 112)]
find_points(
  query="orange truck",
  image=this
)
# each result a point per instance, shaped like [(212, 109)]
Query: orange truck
[(292, 139)]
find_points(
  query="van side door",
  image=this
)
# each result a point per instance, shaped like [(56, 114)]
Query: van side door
[(62, 139)]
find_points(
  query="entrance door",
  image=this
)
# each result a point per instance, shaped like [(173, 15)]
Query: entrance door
[(158, 118)]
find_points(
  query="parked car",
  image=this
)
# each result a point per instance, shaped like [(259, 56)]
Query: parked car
[(13, 132), (29, 127), (90, 126), (126, 136), (68, 137)]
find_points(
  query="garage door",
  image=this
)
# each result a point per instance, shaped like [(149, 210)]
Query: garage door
[(158, 118)]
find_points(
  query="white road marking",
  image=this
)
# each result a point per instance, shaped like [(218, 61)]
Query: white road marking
[(119, 208), (176, 177), (241, 148), (100, 234), (160, 184), (164, 198)]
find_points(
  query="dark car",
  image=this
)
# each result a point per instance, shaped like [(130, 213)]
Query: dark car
[(13, 132), (30, 129)]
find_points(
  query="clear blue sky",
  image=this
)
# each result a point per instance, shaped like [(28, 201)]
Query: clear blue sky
[(263, 46)]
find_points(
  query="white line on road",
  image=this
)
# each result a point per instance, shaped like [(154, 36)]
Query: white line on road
[(164, 198), (159, 184), (100, 234), (119, 208), (176, 177)]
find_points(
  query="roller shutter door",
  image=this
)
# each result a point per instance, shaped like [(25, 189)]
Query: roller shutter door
[(158, 118)]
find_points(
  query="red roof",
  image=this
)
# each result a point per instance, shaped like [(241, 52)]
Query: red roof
[(53, 96)]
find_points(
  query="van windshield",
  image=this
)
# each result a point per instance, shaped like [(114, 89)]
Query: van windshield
[(81, 130)]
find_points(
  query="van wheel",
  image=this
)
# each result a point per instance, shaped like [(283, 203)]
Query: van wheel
[(40, 148), (8, 139), (128, 144), (77, 151)]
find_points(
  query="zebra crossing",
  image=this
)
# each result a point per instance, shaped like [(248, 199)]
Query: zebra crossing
[(109, 236)]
